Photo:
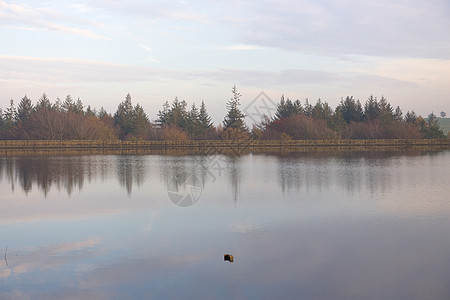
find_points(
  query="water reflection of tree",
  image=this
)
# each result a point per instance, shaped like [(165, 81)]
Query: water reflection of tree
[(176, 170), (234, 172), (70, 172), (130, 170), (352, 170), (61, 172)]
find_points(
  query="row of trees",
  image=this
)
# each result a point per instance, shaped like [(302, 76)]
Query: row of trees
[(69, 119), (376, 119)]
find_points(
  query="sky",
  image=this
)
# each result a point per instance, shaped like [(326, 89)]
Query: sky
[(101, 50)]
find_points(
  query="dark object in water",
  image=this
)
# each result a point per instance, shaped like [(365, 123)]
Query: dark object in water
[(228, 257)]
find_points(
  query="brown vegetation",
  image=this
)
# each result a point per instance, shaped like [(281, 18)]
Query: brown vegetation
[(69, 120)]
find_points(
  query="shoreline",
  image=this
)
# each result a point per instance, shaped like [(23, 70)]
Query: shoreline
[(112, 144), (209, 147)]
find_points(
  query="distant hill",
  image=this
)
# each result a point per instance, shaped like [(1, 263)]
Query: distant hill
[(444, 123)]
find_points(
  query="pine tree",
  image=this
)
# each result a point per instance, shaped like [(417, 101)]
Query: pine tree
[(163, 116), (79, 107), (234, 118), (287, 108), (141, 122), (124, 116), (398, 114), (350, 110), (318, 111), (193, 121), (2, 121), (57, 106), (204, 118), (90, 112), (386, 110), (371, 108), (102, 113), (24, 109), (44, 103), (68, 104), (178, 114), (308, 108), (10, 118), (433, 130), (411, 117)]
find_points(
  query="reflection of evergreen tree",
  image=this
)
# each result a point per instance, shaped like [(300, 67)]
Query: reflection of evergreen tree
[(234, 168), (130, 170), (25, 173), (65, 173)]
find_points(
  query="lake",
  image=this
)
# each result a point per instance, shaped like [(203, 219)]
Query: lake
[(325, 225)]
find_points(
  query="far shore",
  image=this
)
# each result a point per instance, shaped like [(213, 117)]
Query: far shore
[(219, 146)]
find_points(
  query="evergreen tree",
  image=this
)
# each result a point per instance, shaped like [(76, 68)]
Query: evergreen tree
[(124, 116), (90, 111), (2, 121), (308, 108), (350, 110), (287, 108), (163, 116), (204, 118), (57, 106), (141, 122), (44, 103), (433, 120), (234, 118), (322, 111), (102, 113), (79, 107), (386, 111), (24, 109), (398, 114), (68, 104), (411, 117), (371, 109), (193, 121), (174, 115), (10, 117), (178, 114), (433, 131)]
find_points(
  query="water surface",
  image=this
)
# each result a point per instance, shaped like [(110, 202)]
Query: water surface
[(346, 225)]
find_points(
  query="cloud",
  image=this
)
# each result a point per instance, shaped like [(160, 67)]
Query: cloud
[(381, 28), (153, 10), (299, 77), (38, 18), (76, 70), (50, 257), (242, 47), (145, 47), (406, 28), (69, 69)]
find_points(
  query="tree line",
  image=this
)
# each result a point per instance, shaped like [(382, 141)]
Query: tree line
[(71, 119)]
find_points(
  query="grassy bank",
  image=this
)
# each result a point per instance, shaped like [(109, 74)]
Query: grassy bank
[(205, 147)]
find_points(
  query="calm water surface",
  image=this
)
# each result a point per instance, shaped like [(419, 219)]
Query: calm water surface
[(302, 226)]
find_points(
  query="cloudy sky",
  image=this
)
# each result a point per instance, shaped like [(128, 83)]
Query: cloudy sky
[(197, 50)]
